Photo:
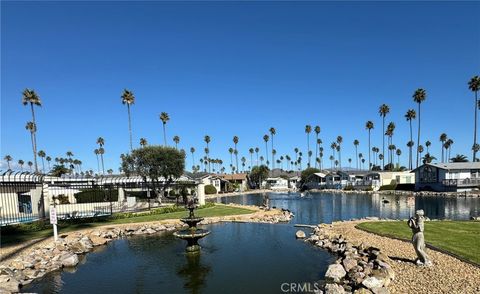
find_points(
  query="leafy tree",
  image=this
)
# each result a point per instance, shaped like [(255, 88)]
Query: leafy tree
[(443, 139), (58, 170), (101, 151), (308, 172), (176, 140), (21, 163), (459, 158), (235, 142), (428, 158), (258, 174), (308, 130), (42, 155)]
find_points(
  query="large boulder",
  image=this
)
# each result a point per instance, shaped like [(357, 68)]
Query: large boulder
[(334, 289), (335, 272), (10, 286), (373, 282), (300, 234), (97, 240), (69, 260), (349, 263)]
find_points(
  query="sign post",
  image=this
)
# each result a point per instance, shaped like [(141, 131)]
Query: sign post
[(53, 221)]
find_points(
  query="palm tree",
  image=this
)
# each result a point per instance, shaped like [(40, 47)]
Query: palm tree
[(331, 161), (31, 97), (97, 152), (420, 150), (349, 162), (321, 157), (428, 158), (32, 128), (192, 150), (256, 152), (30, 164), (360, 156), (419, 96), (356, 143), (207, 140), (243, 159), (339, 142), (128, 98), (273, 132), (474, 86), (448, 147), (8, 158), (308, 130), (176, 140), (164, 118), (48, 158), (369, 126), (235, 142), (459, 158), (143, 142), (475, 149), (383, 110), (443, 139), (317, 132), (251, 151), (389, 133), (261, 160), (21, 163), (42, 155), (428, 144), (265, 139), (101, 151), (235, 152), (230, 150), (410, 115)]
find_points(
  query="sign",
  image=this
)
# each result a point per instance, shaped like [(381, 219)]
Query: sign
[(53, 215)]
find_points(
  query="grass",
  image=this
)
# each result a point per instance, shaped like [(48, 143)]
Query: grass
[(462, 238), (20, 236)]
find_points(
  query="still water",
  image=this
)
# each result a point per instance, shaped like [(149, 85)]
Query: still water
[(236, 257)]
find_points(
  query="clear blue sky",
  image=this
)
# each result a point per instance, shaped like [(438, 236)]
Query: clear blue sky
[(230, 68)]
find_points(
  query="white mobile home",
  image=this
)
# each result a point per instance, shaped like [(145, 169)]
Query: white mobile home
[(447, 177)]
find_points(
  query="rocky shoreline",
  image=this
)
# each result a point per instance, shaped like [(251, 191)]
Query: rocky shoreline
[(359, 269), (401, 193), (49, 255)]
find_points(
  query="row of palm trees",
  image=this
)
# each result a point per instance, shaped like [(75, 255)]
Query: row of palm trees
[(32, 99)]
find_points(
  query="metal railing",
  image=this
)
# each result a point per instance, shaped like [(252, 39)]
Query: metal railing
[(26, 197), (461, 182)]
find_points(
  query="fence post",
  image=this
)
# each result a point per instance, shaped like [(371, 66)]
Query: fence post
[(201, 194)]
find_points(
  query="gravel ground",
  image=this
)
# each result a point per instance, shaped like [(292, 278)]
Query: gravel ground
[(447, 275)]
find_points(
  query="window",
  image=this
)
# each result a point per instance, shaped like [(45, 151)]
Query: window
[(428, 175)]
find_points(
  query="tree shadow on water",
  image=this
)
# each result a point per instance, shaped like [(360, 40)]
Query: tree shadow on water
[(194, 272)]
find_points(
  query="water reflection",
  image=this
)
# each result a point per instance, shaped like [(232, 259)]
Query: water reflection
[(194, 273)]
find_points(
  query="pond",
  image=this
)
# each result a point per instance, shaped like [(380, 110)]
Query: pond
[(236, 257)]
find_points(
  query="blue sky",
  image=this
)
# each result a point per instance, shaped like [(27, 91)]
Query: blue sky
[(231, 68)]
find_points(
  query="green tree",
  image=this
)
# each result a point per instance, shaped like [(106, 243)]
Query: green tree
[(443, 139), (59, 170), (419, 97), (308, 130), (307, 173), (143, 142), (207, 140), (101, 151), (21, 163), (192, 150), (474, 86), (176, 140), (164, 118), (48, 159), (383, 110), (30, 164), (235, 142), (42, 155), (317, 142), (251, 151), (31, 97), (258, 174), (8, 158), (256, 152), (369, 127), (128, 99), (459, 158), (410, 115), (356, 143), (428, 158), (428, 144), (273, 132), (339, 144)]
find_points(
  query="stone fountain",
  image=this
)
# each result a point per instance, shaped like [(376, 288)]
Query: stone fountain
[(192, 234)]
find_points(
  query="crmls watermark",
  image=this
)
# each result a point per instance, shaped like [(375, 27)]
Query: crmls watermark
[(300, 287)]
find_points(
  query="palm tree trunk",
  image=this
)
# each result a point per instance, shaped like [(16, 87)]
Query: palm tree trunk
[(251, 161), (103, 167), (236, 157), (98, 164), (418, 137), (369, 151), (35, 139), (356, 155), (383, 143), (443, 157), (32, 137), (273, 156), (43, 166), (266, 151), (316, 151), (411, 140), (164, 135), (130, 127), (193, 160), (475, 130), (308, 149)]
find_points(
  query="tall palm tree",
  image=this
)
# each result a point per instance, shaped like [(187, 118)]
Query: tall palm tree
[(399, 152), (474, 86), (419, 96), (273, 132), (97, 152), (360, 156), (21, 163), (48, 159), (420, 150), (164, 118), (31, 97), (207, 141), (176, 140), (261, 160), (428, 144), (32, 128), (256, 152), (235, 142), (192, 150), (321, 157), (389, 133), (30, 164), (459, 158), (235, 152), (410, 115), (443, 139), (369, 126), (339, 142), (230, 150), (356, 143), (317, 133), (265, 139), (308, 130), (251, 151), (448, 147), (42, 155), (129, 99), (8, 158), (383, 110), (243, 159), (143, 142), (101, 151)]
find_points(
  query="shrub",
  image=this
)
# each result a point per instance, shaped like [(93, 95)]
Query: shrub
[(348, 188), (172, 193), (63, 199), (392, 186), (96, 195), (210, 189)]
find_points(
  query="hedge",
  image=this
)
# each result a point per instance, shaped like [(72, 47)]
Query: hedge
[(210, 189)]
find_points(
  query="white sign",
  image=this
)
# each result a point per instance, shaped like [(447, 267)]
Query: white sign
[(53, 215)]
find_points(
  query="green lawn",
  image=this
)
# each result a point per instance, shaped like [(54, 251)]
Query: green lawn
[(26, 235), (461, 238)]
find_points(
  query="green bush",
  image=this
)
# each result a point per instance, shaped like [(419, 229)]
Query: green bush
[(96, 195), (63, 199), (172, 193), (368, 189), (348, 188), (391, 186), (209, 189)]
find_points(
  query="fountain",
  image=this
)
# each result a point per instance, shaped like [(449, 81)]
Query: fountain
[(192, 234)]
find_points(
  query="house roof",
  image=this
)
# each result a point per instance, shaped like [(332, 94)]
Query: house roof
[(320, 175), (234, 177), (453, 165)]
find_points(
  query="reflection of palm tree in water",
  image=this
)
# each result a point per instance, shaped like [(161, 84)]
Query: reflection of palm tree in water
[(194, 272)]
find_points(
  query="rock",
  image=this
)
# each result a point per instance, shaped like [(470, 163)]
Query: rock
[(375, 218), (97, 241), (10, 286), (300, 234), (150, 231), (334, 289), (380, 290), (349, 263), (70, 260), (335, 272), (373, 282), (78, 247), (17, 264)]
